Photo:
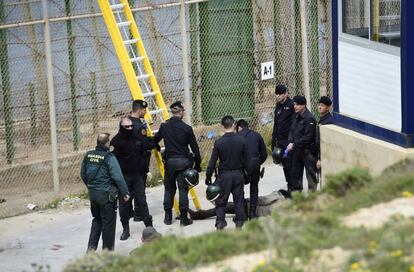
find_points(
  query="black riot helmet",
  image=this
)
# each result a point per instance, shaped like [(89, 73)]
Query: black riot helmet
[(277, 155), (212, 192), (191, 177)]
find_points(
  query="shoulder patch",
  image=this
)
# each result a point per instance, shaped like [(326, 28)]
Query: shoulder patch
[(144, 131)]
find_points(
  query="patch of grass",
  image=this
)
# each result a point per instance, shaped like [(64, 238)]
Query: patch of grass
[(53, 204), (383, 189), (348, 180), (93, 262), (155, 179), (172, 252), (82, 195)]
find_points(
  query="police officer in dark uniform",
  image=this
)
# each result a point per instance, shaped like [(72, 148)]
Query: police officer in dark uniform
[(231, 150), (257, 156), (283, 120), (145, 145), (102, 175), (177, 137), (302, 146), (324, 108), (128, 153)]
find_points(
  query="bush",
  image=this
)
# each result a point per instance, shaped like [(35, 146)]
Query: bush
[(93, 262), (340, 184)]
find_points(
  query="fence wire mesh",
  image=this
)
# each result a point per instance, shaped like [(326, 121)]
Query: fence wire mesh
[(227, 41)]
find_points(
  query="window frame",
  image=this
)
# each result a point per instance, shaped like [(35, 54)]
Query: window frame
[(363, 42)]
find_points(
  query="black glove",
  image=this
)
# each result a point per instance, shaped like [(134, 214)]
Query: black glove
[(208, 181), (198, 168)]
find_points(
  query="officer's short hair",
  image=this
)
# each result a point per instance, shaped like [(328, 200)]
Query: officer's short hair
[(227, 121), (138, 104), (242, 123), (177, 107), (102, 139)]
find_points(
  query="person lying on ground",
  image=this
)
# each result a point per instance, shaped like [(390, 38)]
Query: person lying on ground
[(265, 205)]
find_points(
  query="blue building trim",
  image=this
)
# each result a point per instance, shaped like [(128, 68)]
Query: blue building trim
[(335, 55), (406, 137), (407, 66), (397, 138)]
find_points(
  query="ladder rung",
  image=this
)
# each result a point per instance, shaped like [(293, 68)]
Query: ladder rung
[(149, 94), (137, 59), (127, 23), (130, 41), (155, 111), (117, 6), (143, 76)]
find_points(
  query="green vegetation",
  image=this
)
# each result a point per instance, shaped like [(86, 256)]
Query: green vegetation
[(155, 179), (299, 231), (53, 204)]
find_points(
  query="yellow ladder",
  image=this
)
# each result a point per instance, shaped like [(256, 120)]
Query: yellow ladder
[(130, 50)]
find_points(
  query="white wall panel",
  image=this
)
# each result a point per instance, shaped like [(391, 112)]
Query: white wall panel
[(369, 85)]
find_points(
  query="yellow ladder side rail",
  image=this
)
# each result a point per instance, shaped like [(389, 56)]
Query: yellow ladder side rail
[(155, 88), (120, 49), (147, 65), (131, 76)]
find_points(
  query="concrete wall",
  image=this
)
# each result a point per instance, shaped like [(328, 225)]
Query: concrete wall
[(342, 149)]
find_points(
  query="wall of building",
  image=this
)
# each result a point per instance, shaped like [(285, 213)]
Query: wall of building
[(342, 149), (369, 84)]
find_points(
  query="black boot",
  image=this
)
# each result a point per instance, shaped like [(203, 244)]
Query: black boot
[(221, 225), (168, 217), (125, 234), (252, 212), (184, 220), (148, 221)]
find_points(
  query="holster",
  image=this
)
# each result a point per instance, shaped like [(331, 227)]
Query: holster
[(113, 194)]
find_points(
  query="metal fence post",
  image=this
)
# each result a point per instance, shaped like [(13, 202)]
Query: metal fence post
[(187, 97), (7, 99), (72, 79), (51, 95), (305, 66)]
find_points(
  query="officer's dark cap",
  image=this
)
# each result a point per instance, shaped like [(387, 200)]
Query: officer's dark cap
[(280, 89), (178, 105), (325, 100), (300, 100), (139, 104)]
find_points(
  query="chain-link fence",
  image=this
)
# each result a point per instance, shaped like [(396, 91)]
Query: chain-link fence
[(227, 41)]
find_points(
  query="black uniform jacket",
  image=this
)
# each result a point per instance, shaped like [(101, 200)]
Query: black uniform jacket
[(283, 120), (255, 144), (232, 151), (303, 130), (128, 153), (177, 137)]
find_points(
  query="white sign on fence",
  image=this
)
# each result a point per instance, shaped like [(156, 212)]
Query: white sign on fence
[(267, 70)]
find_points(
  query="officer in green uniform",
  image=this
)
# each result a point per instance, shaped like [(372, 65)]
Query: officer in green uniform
[(102, 175)]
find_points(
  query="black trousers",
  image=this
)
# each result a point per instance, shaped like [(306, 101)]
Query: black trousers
[(254, 176), (104, 220), (231, 181), (303, 158), (173, 176), (136, 183), (287, 162)]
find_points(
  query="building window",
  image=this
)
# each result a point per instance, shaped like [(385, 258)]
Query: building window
[(376, 20)]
